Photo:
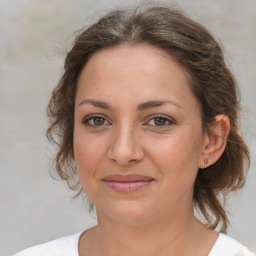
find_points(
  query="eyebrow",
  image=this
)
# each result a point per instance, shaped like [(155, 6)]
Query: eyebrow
[(142, 106), (96, 103), (157, 103)]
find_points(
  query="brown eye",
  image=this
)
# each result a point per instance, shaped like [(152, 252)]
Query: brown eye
[(95, 121), (98, 120), (160, 121)]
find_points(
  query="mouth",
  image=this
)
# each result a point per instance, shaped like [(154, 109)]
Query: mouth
[(127, 183)]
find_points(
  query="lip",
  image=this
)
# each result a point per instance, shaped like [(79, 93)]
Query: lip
[(127, 183)]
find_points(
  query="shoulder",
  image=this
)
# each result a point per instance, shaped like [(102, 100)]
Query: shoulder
[(227, 246), (64, 246)]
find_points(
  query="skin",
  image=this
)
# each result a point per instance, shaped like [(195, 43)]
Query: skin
[(123, 137)]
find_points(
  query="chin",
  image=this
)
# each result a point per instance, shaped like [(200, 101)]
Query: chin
[(126, 213)]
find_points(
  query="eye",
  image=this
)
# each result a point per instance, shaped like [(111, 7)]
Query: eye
[(95, 121), (160, 120)]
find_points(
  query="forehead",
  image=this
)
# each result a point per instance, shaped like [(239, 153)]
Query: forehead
[(140, 71), (142, 57)]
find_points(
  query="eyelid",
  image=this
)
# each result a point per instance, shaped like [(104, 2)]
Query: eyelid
[(169, 119), (86, 119)]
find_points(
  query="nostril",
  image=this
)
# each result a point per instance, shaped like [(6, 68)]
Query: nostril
[(124, 163)]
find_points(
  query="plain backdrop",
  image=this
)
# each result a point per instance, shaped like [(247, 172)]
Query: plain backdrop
[(34, 208)]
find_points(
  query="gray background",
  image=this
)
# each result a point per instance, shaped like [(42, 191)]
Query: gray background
[(35, 208)]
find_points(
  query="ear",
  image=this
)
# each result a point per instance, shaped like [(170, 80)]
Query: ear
[(215, 141)]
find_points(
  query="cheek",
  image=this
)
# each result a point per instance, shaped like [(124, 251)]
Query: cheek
[(177, 157), (88, 154)]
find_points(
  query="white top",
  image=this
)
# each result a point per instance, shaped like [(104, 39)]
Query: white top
[(68, 246)]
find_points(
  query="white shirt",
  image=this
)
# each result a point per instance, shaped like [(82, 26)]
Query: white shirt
[(68, 246)]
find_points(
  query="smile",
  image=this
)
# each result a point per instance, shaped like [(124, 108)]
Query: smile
[(127, 183)]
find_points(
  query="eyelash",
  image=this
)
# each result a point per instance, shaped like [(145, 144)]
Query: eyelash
[(152, 118), (165, 118), (91, 118)]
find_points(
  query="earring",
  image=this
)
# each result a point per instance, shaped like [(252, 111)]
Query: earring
[(206, 161)]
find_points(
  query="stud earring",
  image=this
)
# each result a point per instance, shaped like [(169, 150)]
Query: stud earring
[(206, 161)]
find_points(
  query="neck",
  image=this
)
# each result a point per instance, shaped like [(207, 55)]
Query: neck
[(164, 236)]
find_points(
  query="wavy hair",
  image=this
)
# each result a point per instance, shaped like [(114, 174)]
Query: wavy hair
[(212, 83)]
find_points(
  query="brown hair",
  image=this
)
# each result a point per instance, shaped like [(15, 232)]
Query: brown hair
[(211, 81)]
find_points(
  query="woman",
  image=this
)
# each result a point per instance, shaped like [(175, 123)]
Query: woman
[(146, 119)]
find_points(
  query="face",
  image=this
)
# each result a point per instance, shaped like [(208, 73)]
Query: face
[(138, 136)]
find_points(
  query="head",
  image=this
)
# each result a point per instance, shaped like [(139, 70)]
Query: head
[(210, 81)]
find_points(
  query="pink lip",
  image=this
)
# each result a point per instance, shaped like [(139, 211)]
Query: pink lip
[(127, 183)]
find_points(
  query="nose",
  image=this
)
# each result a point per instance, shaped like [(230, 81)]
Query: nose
[(125, 148)]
